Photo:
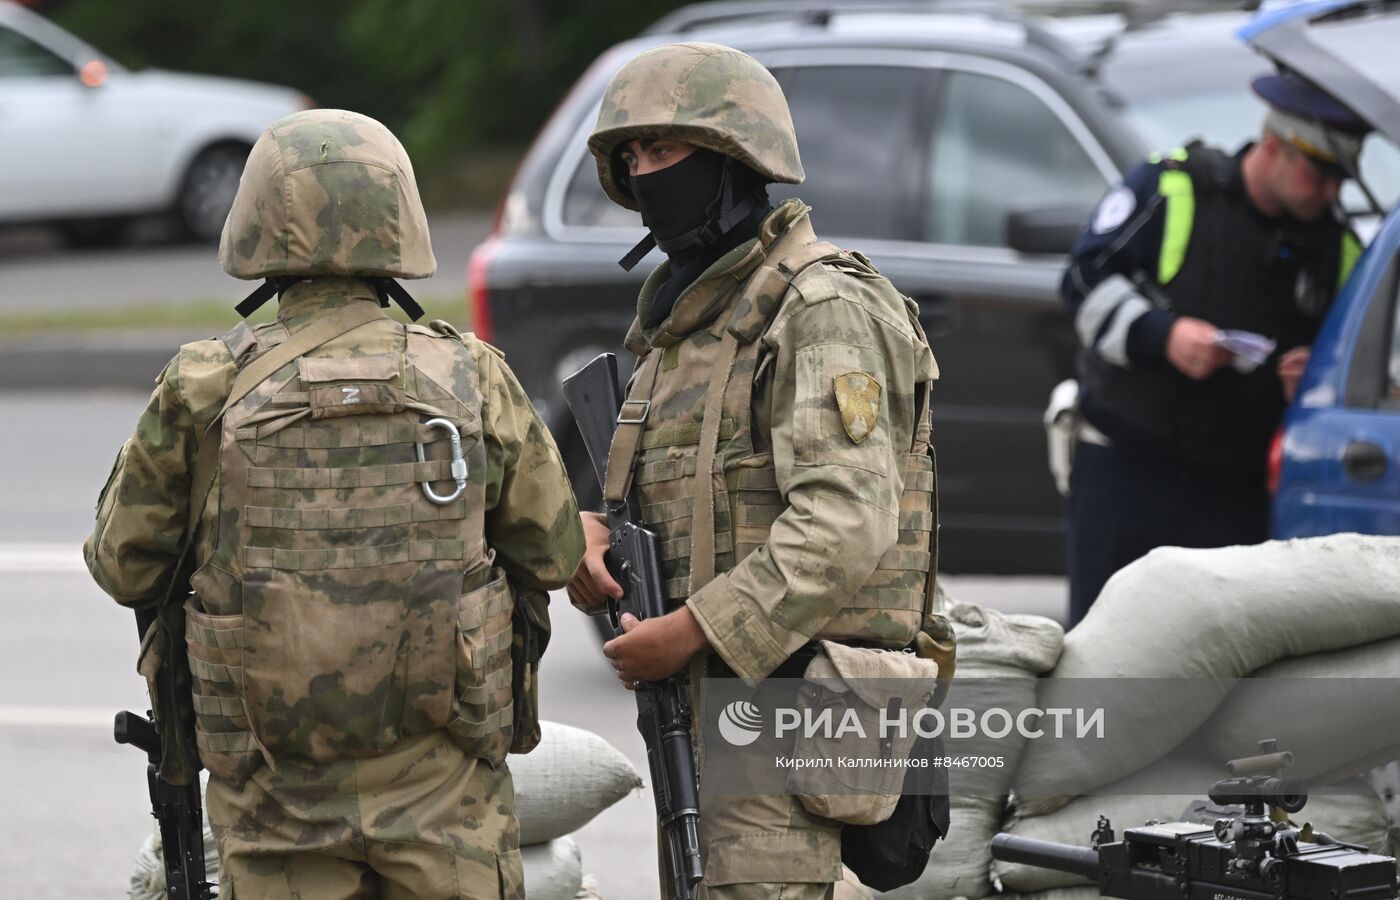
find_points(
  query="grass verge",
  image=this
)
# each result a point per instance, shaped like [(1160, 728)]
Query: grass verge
[(211, 316)]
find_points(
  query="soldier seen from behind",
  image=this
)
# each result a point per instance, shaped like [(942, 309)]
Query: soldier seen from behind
[(776, 433), (1196, 289), (374, 514)]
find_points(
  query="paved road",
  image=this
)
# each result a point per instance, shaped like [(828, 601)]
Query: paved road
[(39, 271), (75, 802)]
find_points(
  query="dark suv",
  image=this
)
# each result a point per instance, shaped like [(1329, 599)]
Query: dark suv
[(959, 150)]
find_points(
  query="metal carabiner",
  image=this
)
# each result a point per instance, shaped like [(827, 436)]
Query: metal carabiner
[(459, 464)]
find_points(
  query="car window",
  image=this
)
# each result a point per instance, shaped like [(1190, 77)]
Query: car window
[(1392, 393), (21, 57), (999, 149), (860, 132), (1380, 168), (585, 204), (858, 128)]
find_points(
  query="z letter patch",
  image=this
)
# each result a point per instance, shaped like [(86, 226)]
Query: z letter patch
[(858, 398)]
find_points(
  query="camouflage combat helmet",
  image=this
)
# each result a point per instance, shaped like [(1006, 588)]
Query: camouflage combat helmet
[(708, 95), (327, 192)]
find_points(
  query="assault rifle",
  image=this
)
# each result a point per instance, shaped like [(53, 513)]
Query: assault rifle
[(594, 396), (1253, 854), (176, 808)]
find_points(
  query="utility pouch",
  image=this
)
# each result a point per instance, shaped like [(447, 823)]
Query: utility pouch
[(530, 631), (895, 852), (863, 702)]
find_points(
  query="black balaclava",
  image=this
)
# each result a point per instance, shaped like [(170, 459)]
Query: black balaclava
[(696, 211)]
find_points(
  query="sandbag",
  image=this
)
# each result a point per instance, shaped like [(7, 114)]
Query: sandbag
[(567, 780), (850, 888), (553, 871), (1325, 697), (1350, 812), (991, 645), (1209, 616)]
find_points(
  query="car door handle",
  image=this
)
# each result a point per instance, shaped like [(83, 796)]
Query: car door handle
[(1363, 461)]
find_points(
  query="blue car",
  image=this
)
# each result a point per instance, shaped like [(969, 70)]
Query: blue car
[(1337, 459)]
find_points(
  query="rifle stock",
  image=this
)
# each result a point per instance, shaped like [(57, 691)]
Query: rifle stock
[(663, 713)]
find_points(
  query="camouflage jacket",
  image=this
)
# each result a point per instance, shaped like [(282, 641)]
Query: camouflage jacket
[(822, 515), (531, 519)]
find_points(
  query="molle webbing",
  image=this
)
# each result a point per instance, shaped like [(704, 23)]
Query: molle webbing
[(328, 542), (769, 282)]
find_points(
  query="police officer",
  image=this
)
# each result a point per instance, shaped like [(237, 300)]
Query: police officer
[(386, 509), (1192, 247), (776, 433)]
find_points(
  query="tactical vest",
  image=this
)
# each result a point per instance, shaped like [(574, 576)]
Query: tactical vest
[(343, 607), (1223, 262), (705, 385)]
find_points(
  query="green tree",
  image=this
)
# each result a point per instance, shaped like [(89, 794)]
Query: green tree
[(451, 78)]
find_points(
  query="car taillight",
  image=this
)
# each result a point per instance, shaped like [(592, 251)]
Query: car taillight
[(478, 290), (1275, 461)]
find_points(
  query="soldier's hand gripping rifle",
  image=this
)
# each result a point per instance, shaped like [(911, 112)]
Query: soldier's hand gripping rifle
[(176, 808), (633, 559), (1255, 855)]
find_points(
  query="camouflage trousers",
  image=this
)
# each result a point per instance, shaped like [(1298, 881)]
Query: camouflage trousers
[(423, 821), (762, 847)]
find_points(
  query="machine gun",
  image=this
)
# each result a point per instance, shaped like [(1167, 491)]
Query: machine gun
[(1251, 853), (177, 808), (663, 712)]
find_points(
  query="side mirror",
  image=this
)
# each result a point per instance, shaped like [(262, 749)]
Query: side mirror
[(1045, 229)]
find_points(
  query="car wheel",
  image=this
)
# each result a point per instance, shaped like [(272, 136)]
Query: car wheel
[(207, 192), (91, 233)]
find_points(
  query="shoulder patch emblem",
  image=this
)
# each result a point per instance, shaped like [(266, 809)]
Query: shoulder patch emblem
[(858, 398), (1114, 209)]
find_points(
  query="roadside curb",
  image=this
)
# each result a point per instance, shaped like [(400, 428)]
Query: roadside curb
[(100, 361)]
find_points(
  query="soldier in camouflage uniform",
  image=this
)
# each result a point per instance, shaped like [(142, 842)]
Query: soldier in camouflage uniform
[(776, 433), (385, 516)]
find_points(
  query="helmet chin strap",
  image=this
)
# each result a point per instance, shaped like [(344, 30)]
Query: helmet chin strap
[(722, 214), (386, 288)]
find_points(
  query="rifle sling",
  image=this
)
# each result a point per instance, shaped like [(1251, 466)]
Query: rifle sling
[(631, 422)]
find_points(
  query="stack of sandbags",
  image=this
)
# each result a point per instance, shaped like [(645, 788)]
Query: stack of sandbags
[(1350, 812), (999, 659), (559, 787), (1205, 618), (1325, 695)]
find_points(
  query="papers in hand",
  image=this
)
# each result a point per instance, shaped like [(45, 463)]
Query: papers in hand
[(1249, 349)]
